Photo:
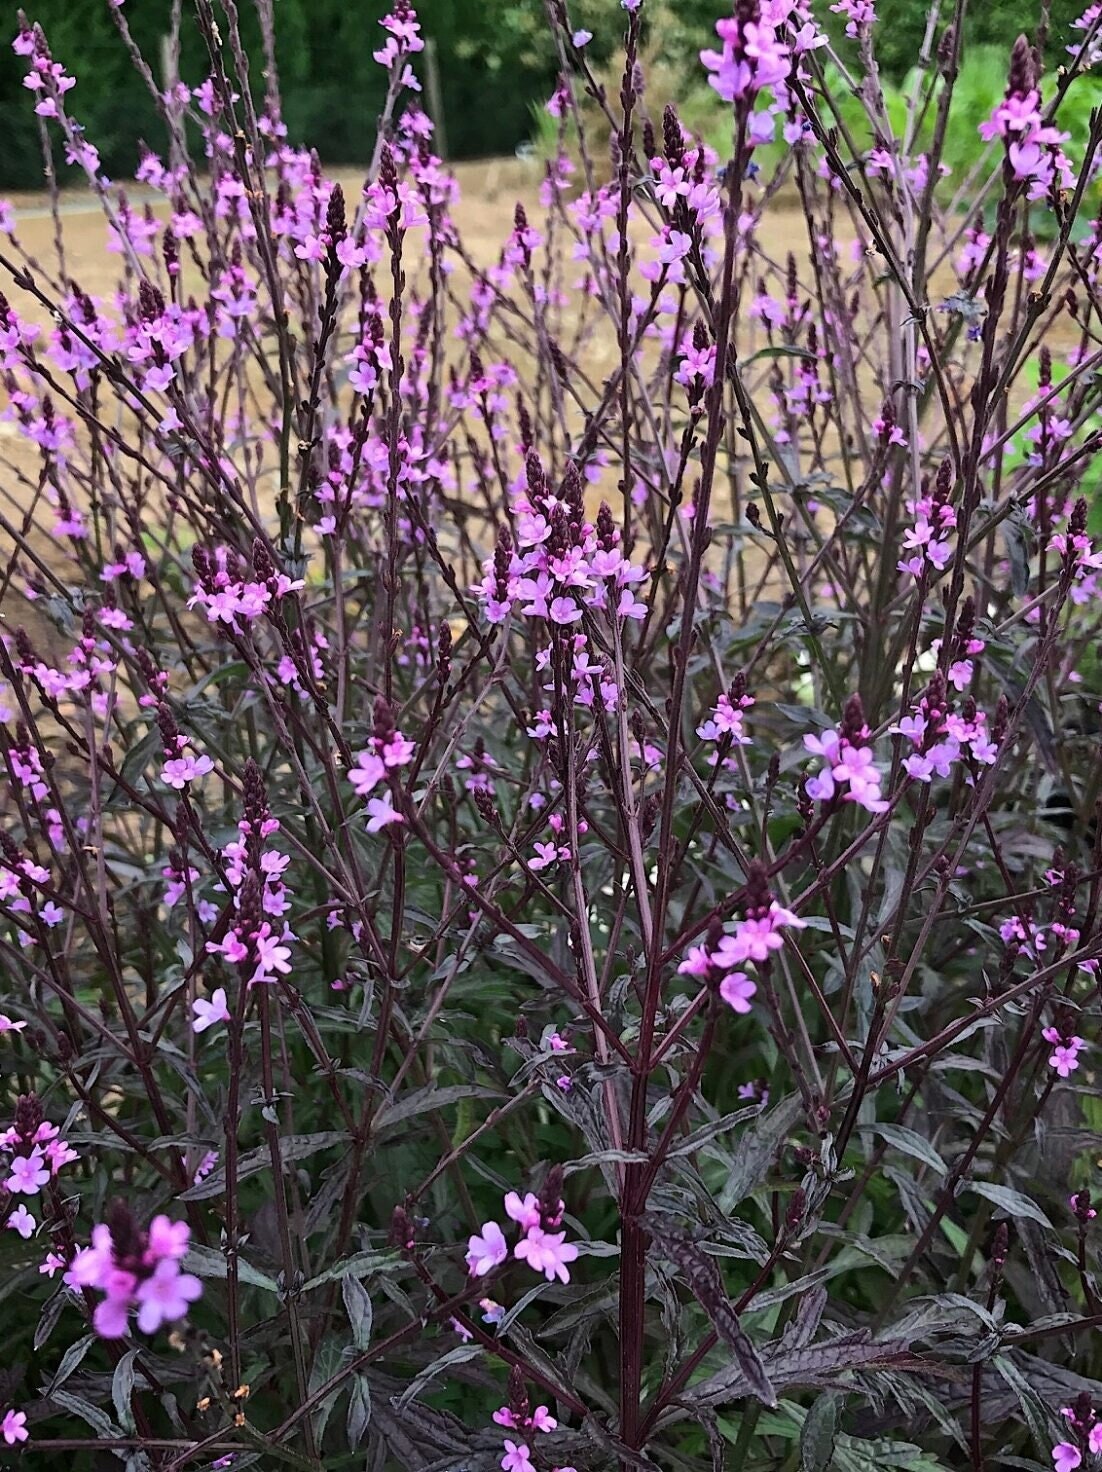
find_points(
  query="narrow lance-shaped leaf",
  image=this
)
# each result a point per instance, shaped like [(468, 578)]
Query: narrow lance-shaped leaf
[(706, 1282)]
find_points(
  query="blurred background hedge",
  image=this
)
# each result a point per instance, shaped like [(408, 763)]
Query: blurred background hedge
[(495, 66)]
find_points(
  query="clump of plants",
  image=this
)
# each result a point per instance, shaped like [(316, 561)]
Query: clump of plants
[(549, 872)]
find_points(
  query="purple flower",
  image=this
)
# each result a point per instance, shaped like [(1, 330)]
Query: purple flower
[(525, 1211), (165, 1296), (516, 1458), (13, 1428), (29, 1173), (736, 990), (22, 1222), (486, 1252), (184, 769), (380, 813), (209, 1013), (368, 772), (546, 1253)]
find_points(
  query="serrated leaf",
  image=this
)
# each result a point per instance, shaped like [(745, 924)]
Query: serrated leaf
[(359, 1265), (359, 1407), (709, 1131), (420, 1101), (69, 1362), (1034, 1411), (757, 1149), (327, 1362), (911, 1143), (51, 1313), (207, 1262), (1018, 539), (1010, 1201), (817, 1365), (457, 1356), (134, 765), (97, 1419), (122, 1389), (706, 1283), (291, 1148), (820, 1430), (780, 351), (357, 1305)]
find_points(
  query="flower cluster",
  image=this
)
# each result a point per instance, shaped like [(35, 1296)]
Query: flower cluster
[(1066, 1048), (1034, 155), (943, 739), (228, 594), (541, 1246), (753, 57), (1085, 1427), (33, 1153), (753, 939), (135, 1269), (725, 725), (563, 567), (849, 764), (386, 751), (934, 519), (254, 871)]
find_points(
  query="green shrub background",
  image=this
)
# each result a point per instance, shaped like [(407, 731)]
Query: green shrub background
[(496, 67)]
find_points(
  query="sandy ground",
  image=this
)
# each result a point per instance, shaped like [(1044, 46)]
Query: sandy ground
[(484, 217), (489, 192)]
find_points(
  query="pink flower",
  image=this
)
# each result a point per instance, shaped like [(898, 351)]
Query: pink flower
[(111, 1317), (1065, 1051), (22, 1222), (546, 1253), (517, 1459), (526, 1212), (1066, 1456), (564, 611), (486, 1252), (208, 1013), (736, 990), (380, 812), (271, 955), (168, 1238), (1065, 1060), (696, 963), (7, 1025), (165, 1296), (543, 1420), (367, 773), (28, 1173), (184, 769), (13, 1427)]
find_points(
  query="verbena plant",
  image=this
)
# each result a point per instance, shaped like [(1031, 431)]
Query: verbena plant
[(549, 882)]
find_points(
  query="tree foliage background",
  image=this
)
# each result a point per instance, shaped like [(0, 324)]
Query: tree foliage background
[(496, 67)]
